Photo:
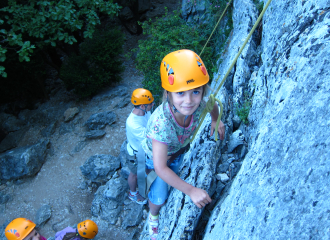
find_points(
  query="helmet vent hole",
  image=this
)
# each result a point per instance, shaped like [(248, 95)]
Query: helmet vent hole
[(199, 64), (170, 71), (167, 67)]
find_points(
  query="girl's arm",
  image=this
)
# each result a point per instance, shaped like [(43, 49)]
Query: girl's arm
[(159, 150), (214, 116)]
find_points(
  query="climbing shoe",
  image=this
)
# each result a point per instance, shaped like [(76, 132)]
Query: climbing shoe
[(134, 198)]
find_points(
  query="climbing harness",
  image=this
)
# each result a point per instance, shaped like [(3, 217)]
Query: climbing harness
[(144, 182), (212, 98)]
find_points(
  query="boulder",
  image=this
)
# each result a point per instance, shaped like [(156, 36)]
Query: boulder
[(49, 130), (70, 113), (24, 161), (132, 215), (10, 123), (98, 167), (100, 120), (12, 140), (108, 200), (94, 134), (43, 215), (126, 14), (143, 6)]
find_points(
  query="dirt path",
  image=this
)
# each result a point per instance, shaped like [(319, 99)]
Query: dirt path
[(57, 183)]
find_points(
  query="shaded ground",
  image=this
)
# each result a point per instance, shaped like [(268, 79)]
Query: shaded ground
[(57, 183)]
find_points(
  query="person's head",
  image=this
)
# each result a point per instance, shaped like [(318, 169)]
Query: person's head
[(21, 229), (87, 229), (142, 99), (184, 79)]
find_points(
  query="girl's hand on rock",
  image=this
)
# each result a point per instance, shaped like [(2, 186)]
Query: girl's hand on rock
[(199, 197)]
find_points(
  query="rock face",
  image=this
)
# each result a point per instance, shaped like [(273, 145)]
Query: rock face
[(107, 203), (23, 162), (281, 190), (180, 216)]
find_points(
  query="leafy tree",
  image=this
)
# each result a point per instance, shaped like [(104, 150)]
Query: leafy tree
[(168, 34), (29, 24), (98, 64)]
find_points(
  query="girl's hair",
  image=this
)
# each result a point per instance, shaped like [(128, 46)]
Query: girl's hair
[(205, 88), (73, 235)]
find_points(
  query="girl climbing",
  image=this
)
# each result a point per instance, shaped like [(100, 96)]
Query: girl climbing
[(22, 229), (184, 78), (84, 231)]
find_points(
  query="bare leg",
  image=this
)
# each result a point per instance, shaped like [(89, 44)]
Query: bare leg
[(132, 183), (154, 209)]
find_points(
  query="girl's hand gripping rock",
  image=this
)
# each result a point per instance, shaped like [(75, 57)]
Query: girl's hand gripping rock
[(199, 197)]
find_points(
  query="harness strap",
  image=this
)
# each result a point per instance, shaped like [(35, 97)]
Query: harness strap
[(141, 171), (145, 183), (175, 155)]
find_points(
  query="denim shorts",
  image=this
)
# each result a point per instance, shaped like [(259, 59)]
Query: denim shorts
[(159, 189)]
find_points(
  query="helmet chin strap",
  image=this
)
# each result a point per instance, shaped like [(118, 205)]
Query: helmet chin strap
[(143, 109), (174, 108)]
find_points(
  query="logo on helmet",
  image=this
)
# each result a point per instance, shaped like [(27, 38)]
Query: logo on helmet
[(190, 81)]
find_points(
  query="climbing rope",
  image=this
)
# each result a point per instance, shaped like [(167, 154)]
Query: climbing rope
[(223, 13), (212, 99)]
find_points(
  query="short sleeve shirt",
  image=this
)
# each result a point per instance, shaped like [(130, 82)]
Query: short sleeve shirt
[(135, 131), (163, 127)]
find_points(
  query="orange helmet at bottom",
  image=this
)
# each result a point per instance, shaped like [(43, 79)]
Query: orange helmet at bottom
[(183, 70), (87, 229), (141, 96), (19, 228)]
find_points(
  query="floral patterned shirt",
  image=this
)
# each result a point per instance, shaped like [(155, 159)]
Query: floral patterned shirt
[(163, 127)]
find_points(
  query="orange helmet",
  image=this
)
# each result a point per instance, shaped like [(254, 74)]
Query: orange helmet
[(87, 229), (19, 228), (183, 70), (141, 96)]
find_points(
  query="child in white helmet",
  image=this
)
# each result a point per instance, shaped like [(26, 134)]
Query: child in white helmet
[(184, 78)]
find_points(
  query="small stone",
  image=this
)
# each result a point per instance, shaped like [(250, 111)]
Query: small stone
[(115, 175), (222, 177), (118, 223), (70, 113)]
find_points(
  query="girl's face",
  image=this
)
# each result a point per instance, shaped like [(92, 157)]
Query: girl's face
[(188, 101), (34, 235)]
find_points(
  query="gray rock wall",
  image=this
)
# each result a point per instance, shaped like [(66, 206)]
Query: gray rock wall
[(281, 191), (180, 216)]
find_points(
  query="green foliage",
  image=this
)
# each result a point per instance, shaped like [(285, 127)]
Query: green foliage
[(259, 4), (48, 23), (98, 64), (24, 80), (244, 110), (171, 33)]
